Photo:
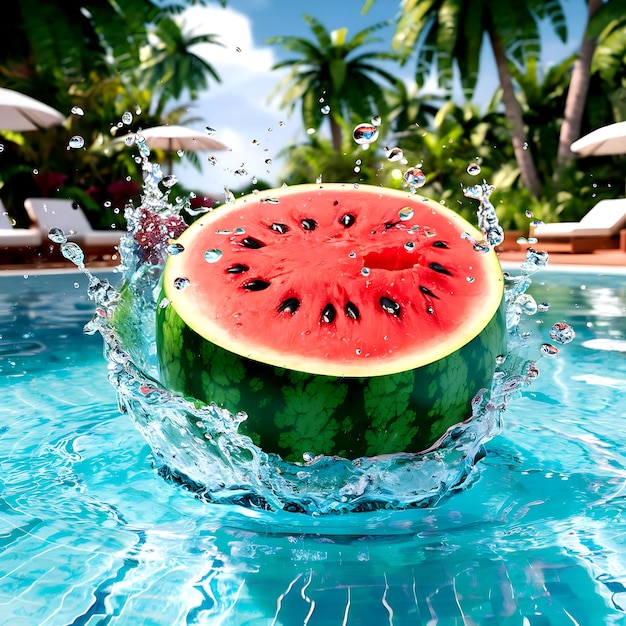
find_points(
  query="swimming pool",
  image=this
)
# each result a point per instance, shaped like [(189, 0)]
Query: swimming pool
[(91, 534)]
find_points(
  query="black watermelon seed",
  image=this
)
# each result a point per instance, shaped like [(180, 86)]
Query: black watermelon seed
[(352, 311), (256, 285), (251, 242), (437, 267), (308, 224), (290, 305), (390, 306), (279, 228), (238, 268), (347, 220), (440, 244), (328, 314), (336, 202), (427, 292)]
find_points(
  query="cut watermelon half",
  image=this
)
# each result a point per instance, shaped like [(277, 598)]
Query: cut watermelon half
[(343, 321)]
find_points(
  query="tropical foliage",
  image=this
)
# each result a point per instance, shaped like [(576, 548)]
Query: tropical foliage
[(108, 58), (101, 60), (334, 77)]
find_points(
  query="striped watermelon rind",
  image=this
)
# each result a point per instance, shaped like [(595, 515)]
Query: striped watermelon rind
[(293, 413)]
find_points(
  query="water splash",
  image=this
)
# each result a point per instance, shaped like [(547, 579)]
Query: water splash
[(200, 446)]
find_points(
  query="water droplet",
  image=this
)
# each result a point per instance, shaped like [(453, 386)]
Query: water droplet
[(77, 111), (175, 248), (534, 261), (76, 142), (268, 161), (170, 181), (364, 134), (352, 255), (358, 351), (494, 235), (532, 240), (269, 200), (181, 282), (562, 332), (473, 169), (527, 304), (528, 213), (470, 279), (481, 247), (522, 240), (213, 255), (414, 178), (406, 213), (548, 349), (209, 131), (212, 160), (366, 271), (394, 154), (237, 49), (223, 231), (73, 252), (57, 235), (542, 307), (410, 246), (500, 359), (376, 121), (533, 372), (127, 117), (325, 110)]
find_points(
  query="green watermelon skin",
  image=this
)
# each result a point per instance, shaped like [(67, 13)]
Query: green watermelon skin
[(292, 413)]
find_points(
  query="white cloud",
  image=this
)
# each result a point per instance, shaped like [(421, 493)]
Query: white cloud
[(238, 107)]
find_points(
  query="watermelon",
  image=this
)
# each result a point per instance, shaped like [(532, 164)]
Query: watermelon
[(344, 321)]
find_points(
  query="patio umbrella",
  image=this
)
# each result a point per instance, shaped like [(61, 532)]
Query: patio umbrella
[(20, 112), (173, 138), (609, 139)]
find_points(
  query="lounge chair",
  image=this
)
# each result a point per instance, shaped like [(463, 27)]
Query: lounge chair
[(65, 214), (599, 229), (15, 243)]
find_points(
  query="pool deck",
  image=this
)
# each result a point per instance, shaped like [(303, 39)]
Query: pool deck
[(610, 258)]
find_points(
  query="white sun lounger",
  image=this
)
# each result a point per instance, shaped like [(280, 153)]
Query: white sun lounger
[(65, 214), (16, 240), (598, 229)]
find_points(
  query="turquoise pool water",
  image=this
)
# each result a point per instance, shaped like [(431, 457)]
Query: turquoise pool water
[(90, 534)]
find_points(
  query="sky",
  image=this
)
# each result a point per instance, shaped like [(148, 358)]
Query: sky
[(240, 109)]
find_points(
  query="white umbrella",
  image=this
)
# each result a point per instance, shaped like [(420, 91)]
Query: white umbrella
[(20, 112), (173, 138), (609, 139)]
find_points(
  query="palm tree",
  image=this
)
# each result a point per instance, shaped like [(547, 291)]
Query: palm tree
[(172, 65), (446, 33), (328, 72), (578, 88)]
